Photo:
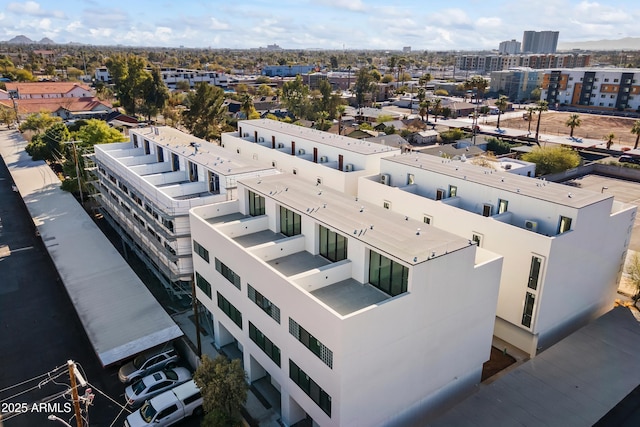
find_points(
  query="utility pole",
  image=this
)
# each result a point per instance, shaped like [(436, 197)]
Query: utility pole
[(74, 392), (75, 156)]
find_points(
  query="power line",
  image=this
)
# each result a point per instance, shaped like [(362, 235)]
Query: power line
[(39, 385), (31, 379)]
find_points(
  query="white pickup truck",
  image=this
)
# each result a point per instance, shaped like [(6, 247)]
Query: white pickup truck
[(168, 408)]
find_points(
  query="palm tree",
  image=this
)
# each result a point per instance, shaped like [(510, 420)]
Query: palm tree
[(573, 122), (542, 106), (635, 129), (424, 110), (609, 138), (531, 111), (247, 105), (479, 84), (501, 103), (340, 109), (436, 108), (322, 117)]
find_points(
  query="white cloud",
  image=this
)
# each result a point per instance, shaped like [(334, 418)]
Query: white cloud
[(353, 5), (218, 25), (32, 8)]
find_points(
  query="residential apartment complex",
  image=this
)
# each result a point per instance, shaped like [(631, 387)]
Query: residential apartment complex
[(509, 47), (593, 88), (171, 76), (361, 283), (516, 83), (540, 41), (148, 185), (488, 63), (554, 275), (351, 312), (315, 156)]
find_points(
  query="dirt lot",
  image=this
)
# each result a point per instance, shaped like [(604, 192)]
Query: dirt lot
[(592, 126)]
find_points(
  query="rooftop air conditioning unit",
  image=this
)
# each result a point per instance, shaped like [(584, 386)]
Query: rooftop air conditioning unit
[(348, 167), (280, 145), (301, 151), (530, 225), (323, 159), (385, 179)]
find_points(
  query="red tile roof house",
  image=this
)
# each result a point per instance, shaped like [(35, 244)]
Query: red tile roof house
[(63, 99)]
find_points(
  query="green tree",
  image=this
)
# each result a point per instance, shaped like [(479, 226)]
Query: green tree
[(128, 74), (441, 92), (7, 116), (633, 271), (501, 103), (98, 132), (387, 78), (206, 112), (452, 135), (530, 111), (183, 85), (424, 80), (340, 109), (295, 96), (437, 103), (635, 129), (363, 86), (49, 145), (552, 159), (224, 388), (424, 110), (478, 84), (38, 122), (264, 90), (6, 63), (609, 138), (498, 146), (384, 118), (154, 94), (535, 94), (541, 107), (573, 122)]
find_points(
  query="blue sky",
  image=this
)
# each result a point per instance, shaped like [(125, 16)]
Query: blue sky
[(323, 24)]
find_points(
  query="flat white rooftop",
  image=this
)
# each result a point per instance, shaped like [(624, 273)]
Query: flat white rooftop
[(212, 156), (319, 137), (530, 187), (388, 232)]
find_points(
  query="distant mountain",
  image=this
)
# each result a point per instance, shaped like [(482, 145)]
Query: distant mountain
[(20, 40), (26, 40), (627, 43)]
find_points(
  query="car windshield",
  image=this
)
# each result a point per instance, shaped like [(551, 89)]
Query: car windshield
[(138, 387), (147, 412), (139, 361), (171, 375)]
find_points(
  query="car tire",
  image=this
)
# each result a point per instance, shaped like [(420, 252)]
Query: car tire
[(198, 411)]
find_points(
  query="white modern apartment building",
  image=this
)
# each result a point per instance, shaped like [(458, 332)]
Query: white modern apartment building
[(563, 247), (148, 184), (171, 76), (319, 157), (355, 314), (593, 88)]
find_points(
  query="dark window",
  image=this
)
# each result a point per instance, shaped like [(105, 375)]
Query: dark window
[(193, 172), (265, 344), (527, 313), (290, 222), (202, 283), (175, 162), (214, 183), (256, 204), (230, 310), (387, 275), (228, 273), (311, 342), (565, 224), (502, 206), (261, 301), (333, 246), (160, 153), (200, 250), (147, 150), (534, 272), (310, 387)]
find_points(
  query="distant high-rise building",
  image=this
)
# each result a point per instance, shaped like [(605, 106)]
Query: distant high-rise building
[(540, 41), (509, 47), (406, 49)]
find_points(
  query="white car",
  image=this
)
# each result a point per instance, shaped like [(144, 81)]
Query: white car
[(148, 362), (147, 387), (168, 408)]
